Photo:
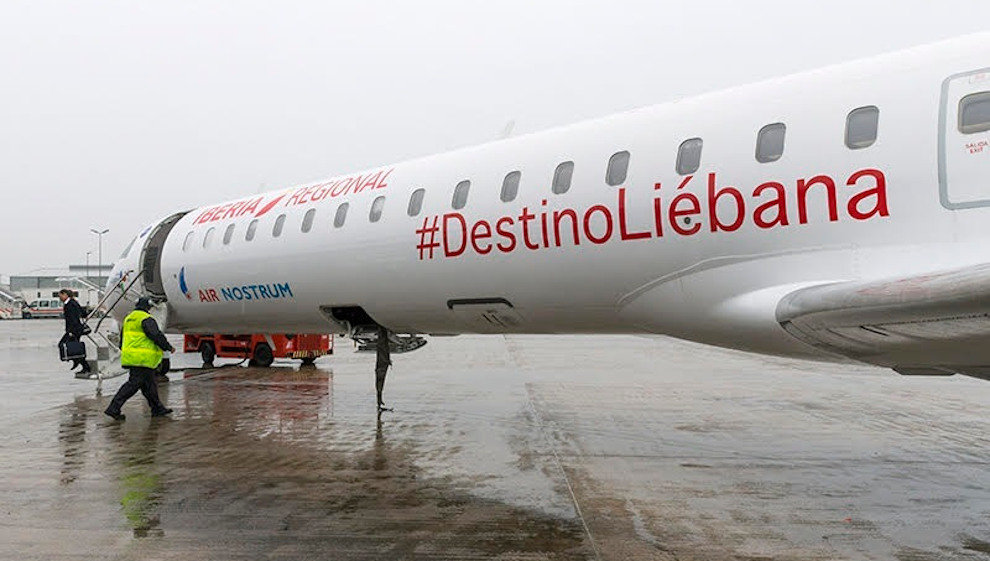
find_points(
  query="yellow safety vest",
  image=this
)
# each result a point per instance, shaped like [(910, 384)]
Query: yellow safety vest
[(138, 349)]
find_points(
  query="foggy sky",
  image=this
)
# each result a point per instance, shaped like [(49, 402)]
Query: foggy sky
[(114, 113)]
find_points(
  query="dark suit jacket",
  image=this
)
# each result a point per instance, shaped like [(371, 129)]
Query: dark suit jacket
[(73, 317)]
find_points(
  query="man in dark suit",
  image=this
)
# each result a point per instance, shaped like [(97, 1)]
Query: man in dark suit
[(73, 314)]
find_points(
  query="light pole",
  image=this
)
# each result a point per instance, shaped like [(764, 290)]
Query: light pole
[(99, 266), (89, 293)]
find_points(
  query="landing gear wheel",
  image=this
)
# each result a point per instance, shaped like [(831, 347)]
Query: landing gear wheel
[(263, 356), (309, 361), (207, 352)]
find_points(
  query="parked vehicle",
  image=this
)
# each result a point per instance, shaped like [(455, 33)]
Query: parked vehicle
[(42, 308), (261, 349)]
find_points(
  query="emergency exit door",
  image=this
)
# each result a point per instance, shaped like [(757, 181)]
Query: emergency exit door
[(964, 141)]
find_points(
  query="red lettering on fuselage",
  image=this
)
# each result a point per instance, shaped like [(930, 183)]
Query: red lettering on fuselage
[(310, 194), (208, 295), (726, 210)]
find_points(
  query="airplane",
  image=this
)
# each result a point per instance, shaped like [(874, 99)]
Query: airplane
[(836, 214)]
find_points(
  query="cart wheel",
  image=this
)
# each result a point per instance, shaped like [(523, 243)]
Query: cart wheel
[(207, 352), (263, 356), (309, 361)]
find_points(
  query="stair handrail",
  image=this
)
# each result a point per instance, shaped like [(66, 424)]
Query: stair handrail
[(115, 302)]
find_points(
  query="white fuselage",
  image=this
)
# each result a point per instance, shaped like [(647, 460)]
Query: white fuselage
[(652, 254)]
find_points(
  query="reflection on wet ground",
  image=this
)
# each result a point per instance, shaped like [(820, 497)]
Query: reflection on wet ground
[(257, 466), (500, 448)]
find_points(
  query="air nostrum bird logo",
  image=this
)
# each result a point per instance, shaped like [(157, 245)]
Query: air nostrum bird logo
[(182, 283)]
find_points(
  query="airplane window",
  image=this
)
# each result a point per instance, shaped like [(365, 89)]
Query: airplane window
[(770, 143), (188, 242), (228, 235), (251, 229), (376, 209), (338, 219), (510, 186), (208, 238), (861, 127), (460, 195), (279, 224), (618, 166), (974, 113), (416, 202), (307, 223), (562, 177), (689, 156)]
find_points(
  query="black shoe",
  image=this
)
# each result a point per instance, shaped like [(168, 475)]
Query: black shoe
[(85, 369), (162, 413), (116, 416)]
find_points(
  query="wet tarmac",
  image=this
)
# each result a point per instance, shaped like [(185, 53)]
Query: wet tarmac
[(617, 448)]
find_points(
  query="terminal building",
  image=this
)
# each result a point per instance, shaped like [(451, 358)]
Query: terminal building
[(42, 283)]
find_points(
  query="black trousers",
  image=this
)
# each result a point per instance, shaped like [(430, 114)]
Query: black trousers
[(143, 380)]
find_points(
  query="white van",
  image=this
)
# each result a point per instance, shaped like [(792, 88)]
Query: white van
[(43, 308)]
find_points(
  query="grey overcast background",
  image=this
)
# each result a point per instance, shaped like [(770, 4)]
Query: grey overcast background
[(115, 113)]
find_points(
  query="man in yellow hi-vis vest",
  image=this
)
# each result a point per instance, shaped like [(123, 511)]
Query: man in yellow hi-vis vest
[(141, 353)]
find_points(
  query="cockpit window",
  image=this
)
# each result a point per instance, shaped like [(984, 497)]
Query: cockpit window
[(128, 248)]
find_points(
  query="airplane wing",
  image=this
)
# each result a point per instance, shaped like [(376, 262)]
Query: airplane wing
[(931, 324)]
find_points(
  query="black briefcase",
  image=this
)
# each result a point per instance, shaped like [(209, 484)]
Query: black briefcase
[(71, 350)]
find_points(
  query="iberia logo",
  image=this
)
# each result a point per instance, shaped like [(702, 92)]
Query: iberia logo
[(307, 195), (237, 209), (264, 210)]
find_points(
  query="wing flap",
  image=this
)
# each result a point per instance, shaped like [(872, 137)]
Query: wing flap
[(937, 322)]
